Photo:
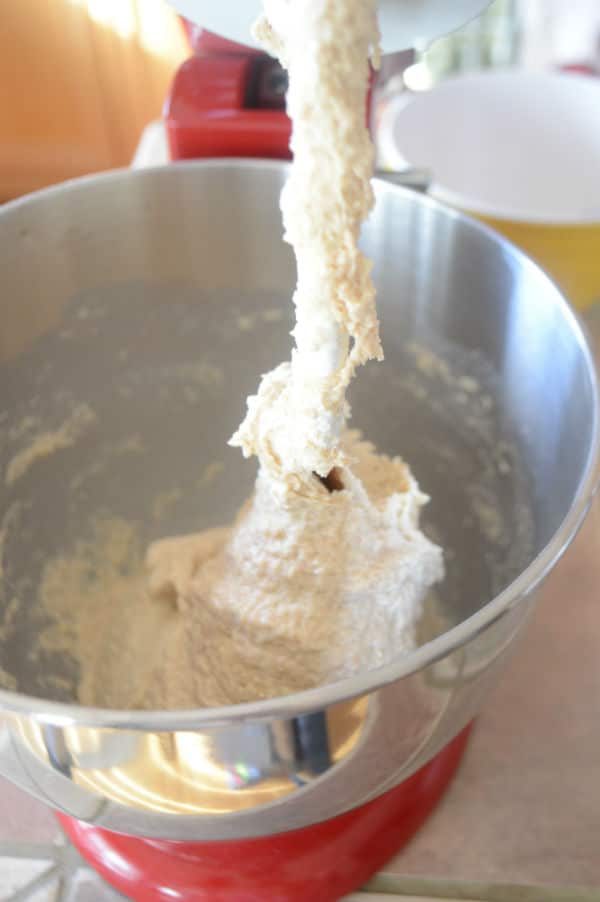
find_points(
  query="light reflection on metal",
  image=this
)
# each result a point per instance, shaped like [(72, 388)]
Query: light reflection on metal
[(194, 773)]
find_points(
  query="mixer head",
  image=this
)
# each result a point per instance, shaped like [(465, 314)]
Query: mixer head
[(403, 23)]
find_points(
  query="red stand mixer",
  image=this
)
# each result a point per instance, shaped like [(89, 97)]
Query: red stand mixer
[(297, 799), (227, 100)]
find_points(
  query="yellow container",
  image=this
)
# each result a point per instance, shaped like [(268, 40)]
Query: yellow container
[(570, 254), (519, 150)]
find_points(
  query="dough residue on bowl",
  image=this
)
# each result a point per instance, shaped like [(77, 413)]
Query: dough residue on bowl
[(49, 442)]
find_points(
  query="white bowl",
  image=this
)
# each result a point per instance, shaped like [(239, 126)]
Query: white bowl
[(514, 145)]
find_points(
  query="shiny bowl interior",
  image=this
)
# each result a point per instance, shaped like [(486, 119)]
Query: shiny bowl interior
[(157, 298)]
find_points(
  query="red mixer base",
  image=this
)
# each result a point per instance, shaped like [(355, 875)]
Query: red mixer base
[(320, 863)]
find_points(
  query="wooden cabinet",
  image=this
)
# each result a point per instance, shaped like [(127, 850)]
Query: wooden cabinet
[(79, 80)]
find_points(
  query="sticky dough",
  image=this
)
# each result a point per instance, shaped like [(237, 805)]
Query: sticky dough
[(294, 423), (309, 585)]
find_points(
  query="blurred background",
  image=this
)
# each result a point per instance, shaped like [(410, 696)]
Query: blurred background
[(535, 34), (81, 79)]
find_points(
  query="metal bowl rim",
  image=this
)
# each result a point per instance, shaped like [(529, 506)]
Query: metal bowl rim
[(284, 707)]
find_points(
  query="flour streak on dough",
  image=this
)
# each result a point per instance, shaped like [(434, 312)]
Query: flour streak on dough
[(282, 603)]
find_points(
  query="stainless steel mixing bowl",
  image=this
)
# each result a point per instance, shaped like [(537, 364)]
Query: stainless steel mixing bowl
[(157, 298)]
